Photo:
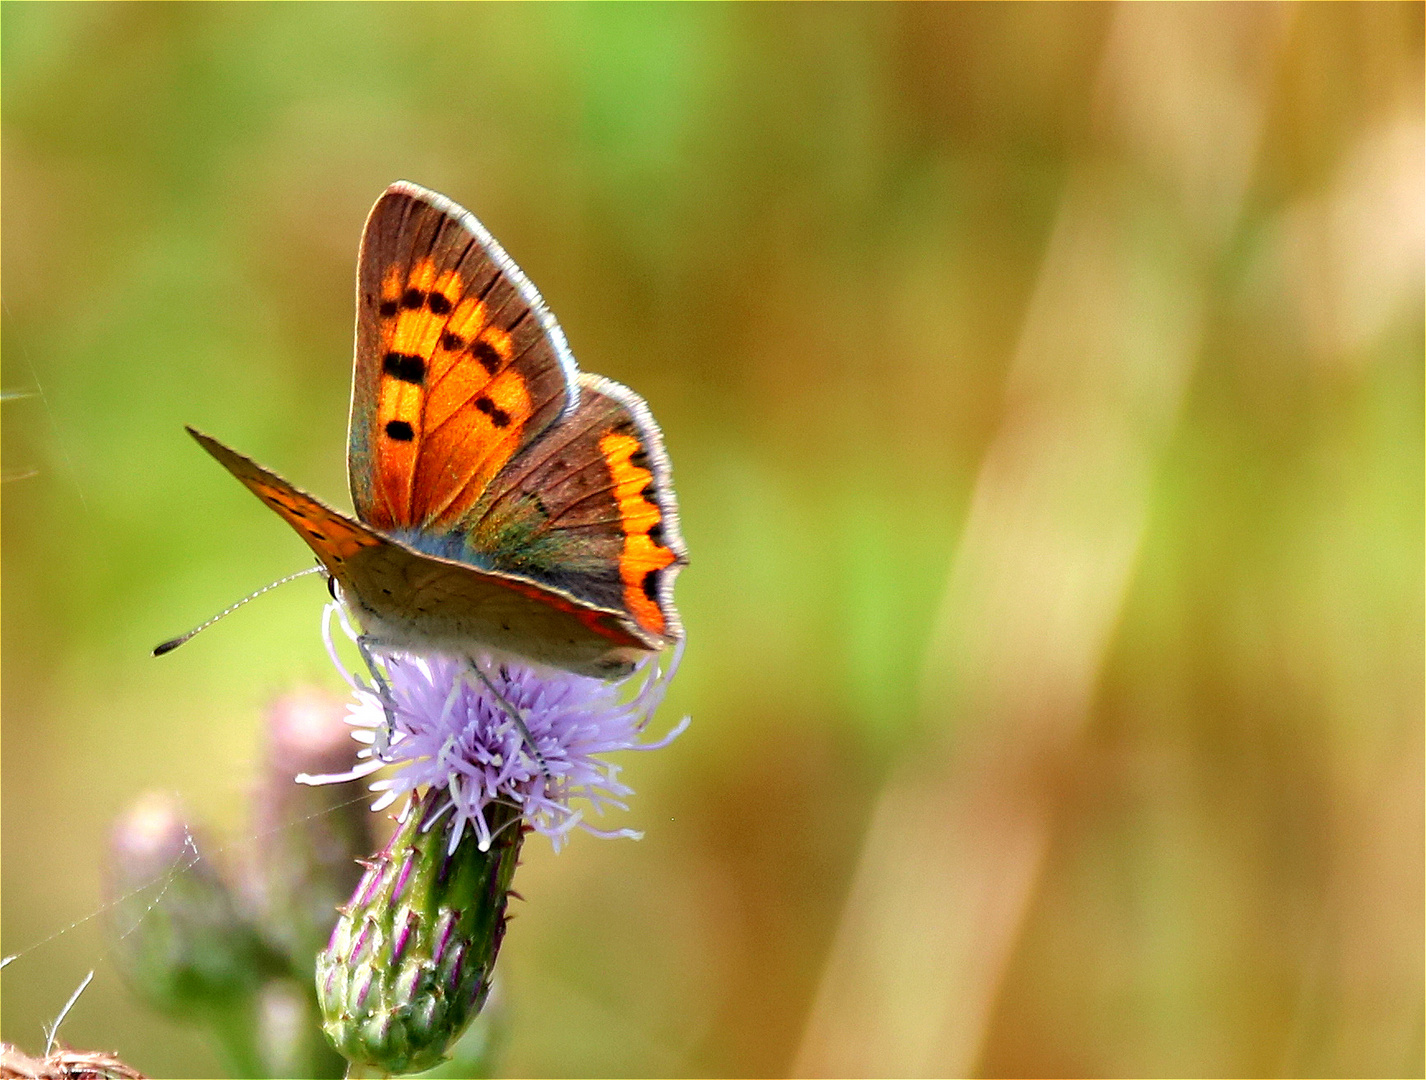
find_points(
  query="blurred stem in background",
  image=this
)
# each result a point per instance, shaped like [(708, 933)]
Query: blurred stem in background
[(960, 834), (183, 943)]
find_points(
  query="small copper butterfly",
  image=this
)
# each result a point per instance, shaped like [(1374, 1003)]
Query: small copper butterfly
[(504, 499)]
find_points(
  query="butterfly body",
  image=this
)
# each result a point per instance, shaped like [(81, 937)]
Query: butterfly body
[(504, 500)]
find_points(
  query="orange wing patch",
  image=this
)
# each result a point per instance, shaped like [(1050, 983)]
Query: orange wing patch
[(399, 400), (472, 441), (644, 554), (332, 537), (445, 393), (415, 310), (450, 411)]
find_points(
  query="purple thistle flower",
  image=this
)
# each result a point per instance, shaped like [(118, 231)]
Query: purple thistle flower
[(451, 734)]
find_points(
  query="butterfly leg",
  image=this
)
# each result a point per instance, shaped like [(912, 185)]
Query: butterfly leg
[(514, 715), (383, 691)]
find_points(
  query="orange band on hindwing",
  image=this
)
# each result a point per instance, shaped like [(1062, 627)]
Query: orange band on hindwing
[(644, 554)]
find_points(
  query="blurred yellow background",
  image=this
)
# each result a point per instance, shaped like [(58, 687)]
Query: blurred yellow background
[(1044, 391)]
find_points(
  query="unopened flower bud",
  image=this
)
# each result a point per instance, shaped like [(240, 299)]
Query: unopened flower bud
[(179, 936), (308, 838), (410, 961)]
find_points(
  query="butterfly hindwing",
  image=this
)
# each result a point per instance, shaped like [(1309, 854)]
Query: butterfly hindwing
[(589, 509), (459, 364)]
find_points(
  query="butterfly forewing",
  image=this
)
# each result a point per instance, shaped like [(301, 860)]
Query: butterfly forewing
[(589, 509), (459, 364)]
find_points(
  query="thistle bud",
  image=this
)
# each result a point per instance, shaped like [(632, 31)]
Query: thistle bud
[(180, 938), (179, 935), (410, 961), (309, 838)]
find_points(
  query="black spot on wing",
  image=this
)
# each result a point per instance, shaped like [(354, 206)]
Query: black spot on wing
[(488, 356), (498, 416), (407, 367), (413, 298), (651, 585), (439, 303), (399, 430)]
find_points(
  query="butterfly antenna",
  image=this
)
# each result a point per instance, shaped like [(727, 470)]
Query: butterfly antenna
[(173, 643)]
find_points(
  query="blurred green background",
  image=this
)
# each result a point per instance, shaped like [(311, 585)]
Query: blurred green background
[(1044, 390)]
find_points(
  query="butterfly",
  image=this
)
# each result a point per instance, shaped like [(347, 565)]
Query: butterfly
[(504, 500)]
